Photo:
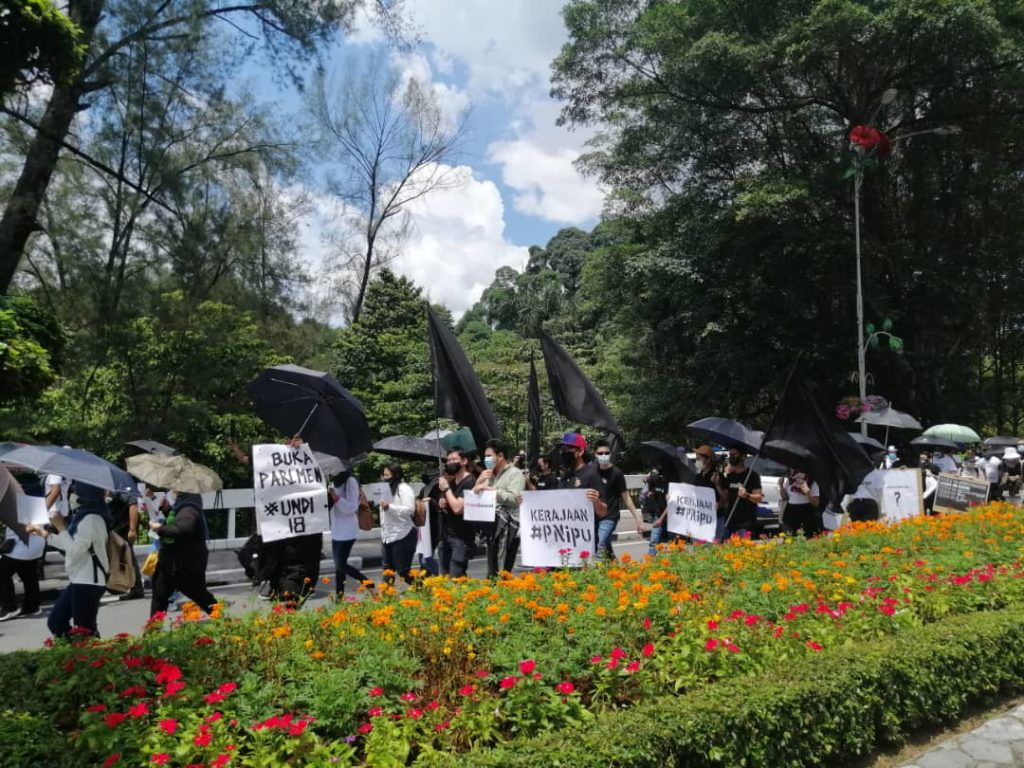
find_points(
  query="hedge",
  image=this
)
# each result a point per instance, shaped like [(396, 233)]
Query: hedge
[(823, 710)]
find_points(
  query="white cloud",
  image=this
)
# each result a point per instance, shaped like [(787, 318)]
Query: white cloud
[(452, 100)]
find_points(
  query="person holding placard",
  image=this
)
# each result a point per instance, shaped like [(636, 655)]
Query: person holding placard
[(459, 534), (397, 531), (743, 486), (545, 479), (614, 494), (576, 473), (508, 483), (803, 502)]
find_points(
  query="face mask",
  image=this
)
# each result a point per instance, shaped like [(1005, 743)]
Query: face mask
[(892, 456), (701, 465), (452, 468), (489, 462), (604, 460), (734, 460), (568, 459)]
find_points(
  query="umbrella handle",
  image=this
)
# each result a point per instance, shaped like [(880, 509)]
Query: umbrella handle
[(311, 412)]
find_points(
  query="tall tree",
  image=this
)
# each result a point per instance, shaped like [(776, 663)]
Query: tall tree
[(393, 144), (108, 29)]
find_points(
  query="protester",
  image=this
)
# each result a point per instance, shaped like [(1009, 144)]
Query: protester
[(655, 507), (398, 534), (743, 487), (944, 461), (83, 539), (1010, 478), (346, 498), (994, 474), (458, 535), (544, 478), (125, 512), (708, 475), (614, 494), (508, 483), (21, 559), (183, 553), (429, 496), (577, 474), (803, 502)]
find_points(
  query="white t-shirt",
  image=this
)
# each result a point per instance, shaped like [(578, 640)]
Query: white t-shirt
[(344, 522), (62, 505), (993, 469), (31, 551), (945, 462), (795, 497), (396, 520)]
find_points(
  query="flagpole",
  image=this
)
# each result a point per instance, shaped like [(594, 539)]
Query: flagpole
[(764, 438), (433, 384)]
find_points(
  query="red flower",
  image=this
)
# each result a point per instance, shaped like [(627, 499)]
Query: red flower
[(526, 667), (888, 610), (432, 706), (168, 726), (365, 728), (814, 646), (648, 650), (596, 659), (647, 624), (508, 682), (168, 673), (612, 664), (712, 625), (375, 712), (441, 726), (481, 673), (97, 708), (408, 696), (220, 760), (173, 688), (565, 688), (467, 690), (298, 728), (711, 644), (868, 138), (114, 719), (618, 653), (204, 640), (138, 710), (202, 740), (584, 555), (214, 717), (633, 666), (214, 698), (160, 758), (134, 691), (227, 688), (415, 713), (111, 760), (373, 692)]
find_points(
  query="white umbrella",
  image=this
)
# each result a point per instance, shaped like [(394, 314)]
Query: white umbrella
[(174, 472)]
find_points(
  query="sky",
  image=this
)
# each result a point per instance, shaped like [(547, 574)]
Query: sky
[(518, 185)]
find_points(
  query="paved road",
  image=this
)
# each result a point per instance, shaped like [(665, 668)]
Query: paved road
[(999, 743), (228, 583)]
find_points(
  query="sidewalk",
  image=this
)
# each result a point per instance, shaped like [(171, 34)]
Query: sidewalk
[(999, 742)]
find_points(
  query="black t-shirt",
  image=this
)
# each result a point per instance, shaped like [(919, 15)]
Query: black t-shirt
[(745, 515), (583, 479), (548, 482), (613, 483), (457, 525)]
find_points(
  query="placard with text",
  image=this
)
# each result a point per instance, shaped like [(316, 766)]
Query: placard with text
[(290, 492), (556, 528)]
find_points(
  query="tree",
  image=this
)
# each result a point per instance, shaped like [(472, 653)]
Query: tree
[(108, 29), (723, 132), (393, 144), (40, 44), (31, 346)]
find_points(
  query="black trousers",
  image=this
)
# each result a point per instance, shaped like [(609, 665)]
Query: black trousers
[(802, 517), (397, 556), (300, 565), (502, 546), (28, 572), (455, 555), (191, 583)]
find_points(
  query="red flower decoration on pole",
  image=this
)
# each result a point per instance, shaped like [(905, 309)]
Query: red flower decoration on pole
[(869, 138)]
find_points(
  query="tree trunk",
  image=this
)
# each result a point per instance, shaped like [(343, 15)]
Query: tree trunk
[(20, 217)]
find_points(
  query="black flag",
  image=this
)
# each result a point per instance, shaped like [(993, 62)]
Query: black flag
[(457, 391), (803, 437), (575, 397), (533, 417)]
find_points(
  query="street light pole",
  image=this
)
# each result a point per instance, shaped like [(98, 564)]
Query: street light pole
[(861, 365)]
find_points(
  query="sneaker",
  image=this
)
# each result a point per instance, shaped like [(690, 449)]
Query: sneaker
[(9, 613), (266, 591)]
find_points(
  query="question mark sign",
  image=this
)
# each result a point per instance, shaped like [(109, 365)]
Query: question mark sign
[(897, 494)]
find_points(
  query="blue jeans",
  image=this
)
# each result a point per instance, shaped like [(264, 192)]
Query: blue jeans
[(341, 550), (79, 603), (605, 529), (657, 531)]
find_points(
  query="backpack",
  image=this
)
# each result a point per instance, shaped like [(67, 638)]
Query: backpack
[(121, 558)]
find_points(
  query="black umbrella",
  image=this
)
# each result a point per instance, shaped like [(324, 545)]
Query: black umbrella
[(726, 432), (867, 442), (71, 463), (152, 446), (313, 405), (406, 447), (1002, 442), (926, 441), (792, 455), (655, 451)]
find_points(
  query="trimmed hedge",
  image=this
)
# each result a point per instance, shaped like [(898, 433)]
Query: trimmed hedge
[(826, 710)]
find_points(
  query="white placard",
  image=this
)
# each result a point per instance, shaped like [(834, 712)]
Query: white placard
[(32, 510), (378, 492), (479, 506), (290, 492), (901, 494), (556, 527), (692, 511), (424, 545)]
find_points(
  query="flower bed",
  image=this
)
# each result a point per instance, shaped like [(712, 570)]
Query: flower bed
[(464, 666)]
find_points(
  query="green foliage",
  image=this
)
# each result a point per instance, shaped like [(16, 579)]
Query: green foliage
[(31, 345), (39, 43)]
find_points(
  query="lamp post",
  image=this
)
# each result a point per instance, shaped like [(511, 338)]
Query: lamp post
[(858, 181)]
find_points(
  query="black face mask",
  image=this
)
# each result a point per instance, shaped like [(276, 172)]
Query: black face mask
[(734, 460), (452, 468), (568, 459)]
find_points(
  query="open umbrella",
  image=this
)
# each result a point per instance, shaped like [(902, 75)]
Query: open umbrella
[(9, 490), (332, 465), (460, 438), (174, 472), (406, 447), (1001, 442), (868, 443), (891, 418), (312, 404), (656, 451), (726, 432), (71, 463), (955, 432), (934, 442), (151, 446)]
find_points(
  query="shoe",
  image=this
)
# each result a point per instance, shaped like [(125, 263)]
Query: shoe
[(266, 591), (9, 613), (23, 614), (132, 596)]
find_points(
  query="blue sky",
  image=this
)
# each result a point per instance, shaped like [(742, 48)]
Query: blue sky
[(519, 185)]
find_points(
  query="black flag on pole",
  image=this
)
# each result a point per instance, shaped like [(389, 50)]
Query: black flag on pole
[(457, 391), (575, 396), (803, 437), (533, 417)]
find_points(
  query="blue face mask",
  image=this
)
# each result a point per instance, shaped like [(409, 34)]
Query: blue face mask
[(489, 462)]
